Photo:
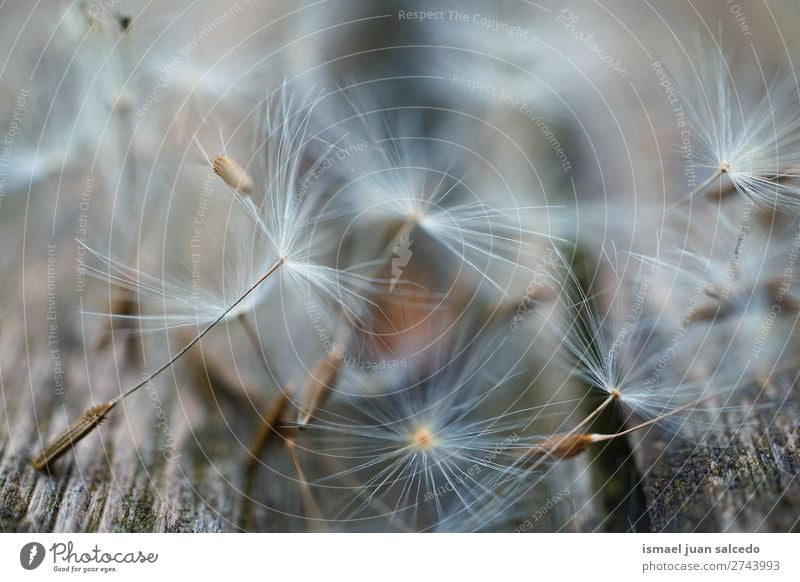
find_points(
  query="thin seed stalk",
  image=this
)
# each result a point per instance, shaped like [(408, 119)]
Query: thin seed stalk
[(569, 444), (92, 418), (699, 189), (312, 508), (707, 182)]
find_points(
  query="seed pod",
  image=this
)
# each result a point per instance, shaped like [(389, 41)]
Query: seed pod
[(87, 422), (559, 446), (233, 174)]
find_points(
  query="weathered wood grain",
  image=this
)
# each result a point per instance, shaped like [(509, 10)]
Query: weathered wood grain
[(173, 458), (745, 481), (120, 479)]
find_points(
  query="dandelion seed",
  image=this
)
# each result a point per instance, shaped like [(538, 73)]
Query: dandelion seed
[(395, 172), (277, 242), (722, 279), (288, 227), (427, 445), (636, 363), (752, 140), (575, 442)]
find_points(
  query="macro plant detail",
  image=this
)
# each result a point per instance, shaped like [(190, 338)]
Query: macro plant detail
[(397, 268)]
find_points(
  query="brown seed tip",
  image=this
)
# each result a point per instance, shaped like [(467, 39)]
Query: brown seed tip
[(85, 424), (715, 291), (233, 174), (560, 446)]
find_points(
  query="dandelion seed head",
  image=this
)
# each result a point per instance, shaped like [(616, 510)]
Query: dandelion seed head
[(750, 138), (243, 237), (423, 439), (394, 170), (430, 443), (644, 365)]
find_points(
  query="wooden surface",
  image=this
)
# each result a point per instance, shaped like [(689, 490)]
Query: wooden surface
[(748, 481), (172, 458), (120, 480)]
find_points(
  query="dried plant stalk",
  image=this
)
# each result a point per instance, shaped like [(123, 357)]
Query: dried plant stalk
[(510, 310), (708, 312), (312, 508), (123, 305), (215, 379), (778, 288), (92, 417), (87, 422), (268, 427), (317, 386)]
